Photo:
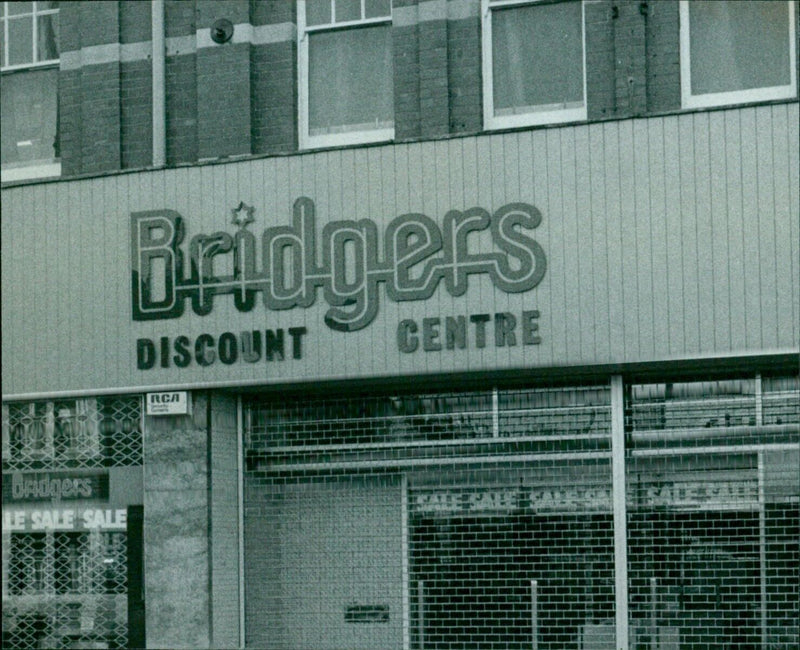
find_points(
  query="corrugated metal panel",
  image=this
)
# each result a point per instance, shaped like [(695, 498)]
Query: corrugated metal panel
[(665, 237)]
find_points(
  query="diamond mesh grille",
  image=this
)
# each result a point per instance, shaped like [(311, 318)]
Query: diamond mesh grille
[(66, 588), (90, 432)]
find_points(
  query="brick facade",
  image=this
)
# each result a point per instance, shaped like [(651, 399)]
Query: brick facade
[(240, 98)]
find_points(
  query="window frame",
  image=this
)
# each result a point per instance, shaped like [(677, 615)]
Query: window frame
[(729, 97), (34, 13), (537, 117), (304, 31), (39, 168)]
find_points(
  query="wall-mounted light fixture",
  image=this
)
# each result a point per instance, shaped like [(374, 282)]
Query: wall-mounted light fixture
[(221, 31)]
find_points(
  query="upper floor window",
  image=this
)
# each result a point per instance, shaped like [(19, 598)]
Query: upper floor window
[(345, 69), (29, 90), (734, 52), (534, 68)]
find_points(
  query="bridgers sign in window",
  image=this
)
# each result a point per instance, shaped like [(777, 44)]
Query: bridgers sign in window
[(734, 52), (29, 55), (345, 69), (533, 63)]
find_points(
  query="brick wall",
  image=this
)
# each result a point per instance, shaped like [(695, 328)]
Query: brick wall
[(465, 94), (223, 84), (663, 57), (89, 93), (180, 23), (405, 45), (273, 79), (433, 78), (240, 98), (600, 50)]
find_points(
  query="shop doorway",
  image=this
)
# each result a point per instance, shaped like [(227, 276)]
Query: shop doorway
[(510, 581)]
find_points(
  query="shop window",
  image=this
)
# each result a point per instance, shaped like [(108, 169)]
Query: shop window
[(734, 52), (693, 405), (345, 69), (88, 432), (66, 588), (781, 400), (28, 570), (545, 417), (533, 63), (29, 54), (484, 518)]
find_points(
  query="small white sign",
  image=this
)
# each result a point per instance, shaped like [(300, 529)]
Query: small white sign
[(168, 403)]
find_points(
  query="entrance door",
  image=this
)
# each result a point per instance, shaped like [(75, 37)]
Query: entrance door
[(509, 581)]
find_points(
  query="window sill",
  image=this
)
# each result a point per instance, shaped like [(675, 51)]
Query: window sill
[(538, 118), (350, 138), (751, 96), (24, 172)]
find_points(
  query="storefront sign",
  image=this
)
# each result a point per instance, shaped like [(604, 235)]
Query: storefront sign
[(54, 487), (709, 494), (543, 499), (412, 259), (717, 495), (168, 403), (64, 519), (227, 348)]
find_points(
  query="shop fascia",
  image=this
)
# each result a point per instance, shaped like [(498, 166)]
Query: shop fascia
[(416, 255)]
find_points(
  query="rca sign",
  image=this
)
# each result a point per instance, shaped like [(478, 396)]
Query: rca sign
[(168, 403)]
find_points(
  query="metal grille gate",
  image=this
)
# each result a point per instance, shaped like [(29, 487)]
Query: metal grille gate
[(483, 519), (67, 588)]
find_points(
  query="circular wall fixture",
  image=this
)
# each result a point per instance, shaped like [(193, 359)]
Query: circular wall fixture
[(221, 31)]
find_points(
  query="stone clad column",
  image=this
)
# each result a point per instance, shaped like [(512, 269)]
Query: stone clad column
[(176, 548)]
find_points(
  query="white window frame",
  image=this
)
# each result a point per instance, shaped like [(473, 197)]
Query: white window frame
[(767, 93), (34, 13), (537, 117), (308, 141), (12, 172)]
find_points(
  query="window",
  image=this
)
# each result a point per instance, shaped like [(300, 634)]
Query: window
[(29, 90), (65, 587), (345, 72), (533, 63), (737, 52), (66, 433)]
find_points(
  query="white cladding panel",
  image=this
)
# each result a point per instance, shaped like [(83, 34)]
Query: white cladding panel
[(669, 237)]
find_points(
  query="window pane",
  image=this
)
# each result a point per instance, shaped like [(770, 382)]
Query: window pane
[(378, 8), (318, 12), (47, 47), (350, 75), (20, 41), (2, 44), (47, 4), (29, 116), (537, 58), (348, 10), (15, 8), (738, 45)]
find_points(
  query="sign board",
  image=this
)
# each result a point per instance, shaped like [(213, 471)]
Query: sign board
[(54, 486), (491, 501), (168, 403), (91, 518)]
